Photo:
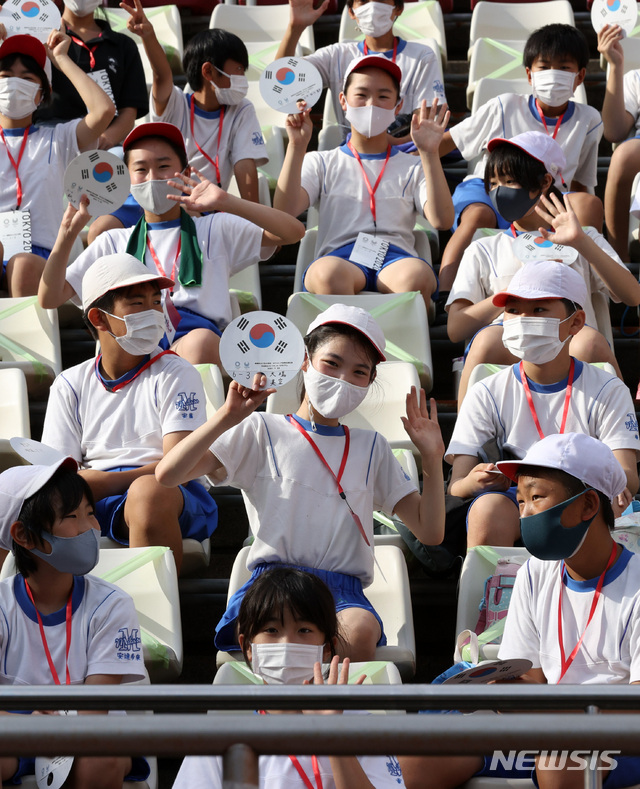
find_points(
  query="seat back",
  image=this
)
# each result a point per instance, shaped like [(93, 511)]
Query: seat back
[(259, 23), (14, 406), (516, 21)]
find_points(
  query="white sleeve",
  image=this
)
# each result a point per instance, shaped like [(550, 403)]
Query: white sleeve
[(472, 135), (384, 772), (587, 170), (62, 427), (176, 111), (391, 484), (477, 423), (632, 94), (241, 239), (324, 59), (471, 282), (614, 418), (199, 772), (246, 140), (103, 245), (240, 451), (521, 638), (65, 141), (634, 645), (427, 82), (181, 401), (312, 176)]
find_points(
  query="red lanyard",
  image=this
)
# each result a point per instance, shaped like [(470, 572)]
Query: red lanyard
[(193, 136), (127, 381), (544, 121), (567, 398), (372, 192), (566, 662), (343, 463), (15, 164), (304, 776), (80, 43), (156, 260), (395, 49), (514, 232), (68, 614)]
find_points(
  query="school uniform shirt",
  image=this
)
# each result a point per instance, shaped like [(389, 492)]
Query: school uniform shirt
[(241, 137), (631, 86), (292, 502), (46, 155), (103, 429), (228, 243), (336, 186), (117, 68), (497, 408), (419, 64), (610, 651), (105, 635), (488, 265), (278, 772), (511, 113)]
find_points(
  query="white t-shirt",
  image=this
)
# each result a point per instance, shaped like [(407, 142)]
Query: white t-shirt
[(293, 505), (496, 407), (228, 243), (511, 114), (104, 429), (47, 153), (105, 635), (335, 184), (241, 137), (419, 64), (610, 651), (488, 265), (632, 96)]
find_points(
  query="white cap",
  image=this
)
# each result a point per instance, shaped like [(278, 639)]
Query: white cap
[(374, 61), (545, 279), (16, 485), (577, 454), (116, 271), (540, 146), (357, 318)]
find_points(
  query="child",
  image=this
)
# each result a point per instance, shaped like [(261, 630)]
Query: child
[(566, 487), (220, 127), (549, 391), (59, 625), (200, 253), (555, 58), (418, 63), (35, 158), (368, 191), (112, 60), (519, 179), (620, 116), (280, 464), (287, 628), (118, 414)]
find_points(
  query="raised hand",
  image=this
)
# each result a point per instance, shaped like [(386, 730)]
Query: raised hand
[(609, 45), (302, 12), (428, 126), (299, 128), (137, 22), (562, 218), (75, 219), (198, 195), (423, 430), (57, 45), (243, 400), (337, 676)]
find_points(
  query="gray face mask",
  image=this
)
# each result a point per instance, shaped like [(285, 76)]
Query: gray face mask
[(76, 555)]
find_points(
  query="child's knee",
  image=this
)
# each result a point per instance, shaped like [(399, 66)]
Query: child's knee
[(493, 519), (100, 772), (147, 497)]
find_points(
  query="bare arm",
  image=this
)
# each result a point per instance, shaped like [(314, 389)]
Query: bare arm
[(246, 174), (616, 120), (466, 318), (118, 129), (427, 130), (289, 195), (629, 462), (54, 289), (301, 15), (468, 477), (446, 145)]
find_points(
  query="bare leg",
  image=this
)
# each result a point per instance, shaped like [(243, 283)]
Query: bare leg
[(360, 633), (589, 209), (101, 224), (552, 774), (625, 163), (200, 346), (589, 345), (23, 274), (438, 772), (332, 275), (493, 520), (487, 348), (99, 772), (8, 767), (408, 274), (473, 217)]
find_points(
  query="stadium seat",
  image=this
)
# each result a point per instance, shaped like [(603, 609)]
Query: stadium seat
[(262, 24), (275, 137), (390, 596), (14, 407), (195, 555), (495, 60), (213, 386), (515, 21), (402, 317)]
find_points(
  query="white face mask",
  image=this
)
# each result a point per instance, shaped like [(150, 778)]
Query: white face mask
[(152, 196), (236, 92), (374, 19), (332, 397), (82, 7), (285, 663), (534, 340), (553, 87), (370, 120), (17, 97), (144, 331)]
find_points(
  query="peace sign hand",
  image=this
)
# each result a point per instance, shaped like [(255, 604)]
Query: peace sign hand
[(137, 22)]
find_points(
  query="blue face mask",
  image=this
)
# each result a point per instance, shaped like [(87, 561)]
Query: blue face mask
[(512, 204), (544, 535), (76, 555)]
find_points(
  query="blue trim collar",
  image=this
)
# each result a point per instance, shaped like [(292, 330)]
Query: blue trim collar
[(164, 225), (208, 114), (19, 132), (568, 113), (108, 384), (389, 53), (549, 388), (321, 430), (345, 149), (57, 617), (590, 584)]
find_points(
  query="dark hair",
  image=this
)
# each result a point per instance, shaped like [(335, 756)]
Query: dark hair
[(571, 306), (281, 588), (212, 46), (61, 495), (572, 485), (556, 41), (396, 84), (31, 65), (507, 160), (177, 149), (107, 303)]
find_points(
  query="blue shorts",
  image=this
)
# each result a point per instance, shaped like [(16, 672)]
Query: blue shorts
[(473, 191), (129, 212), (508, 494), (198, 520), (394, 253), (35, 250), (190, 320), (346, 589), (27, 766)]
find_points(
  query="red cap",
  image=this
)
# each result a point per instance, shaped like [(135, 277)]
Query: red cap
[(374, 61), (24, 45), (166, 130)]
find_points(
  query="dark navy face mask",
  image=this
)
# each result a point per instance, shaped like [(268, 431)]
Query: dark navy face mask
[(512, 204), (544, 535)]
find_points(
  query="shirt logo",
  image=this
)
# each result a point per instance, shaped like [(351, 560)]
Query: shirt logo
[(128, 644), (632, 423), (438, 88), (393, 766), (186, 404), (257, 138)]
